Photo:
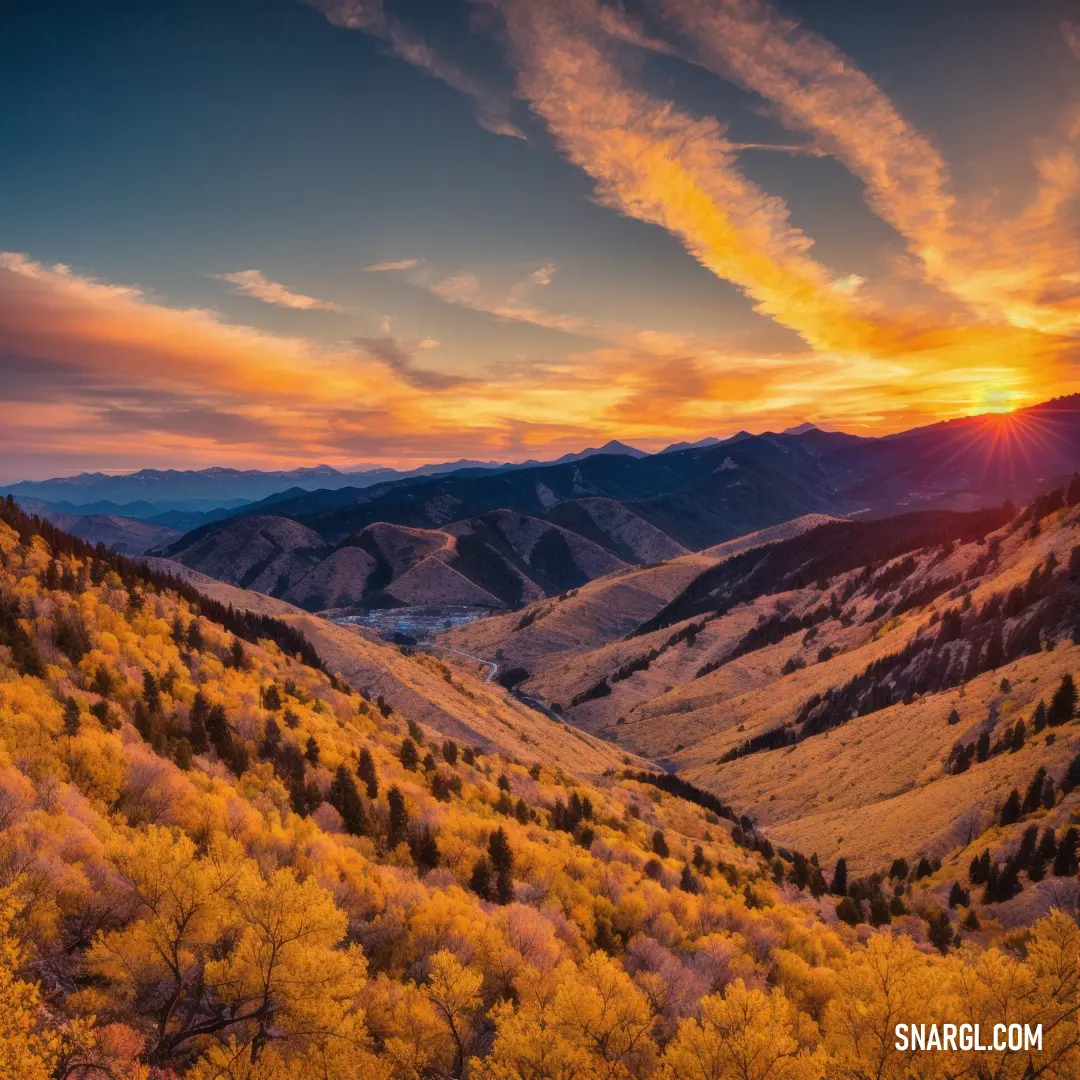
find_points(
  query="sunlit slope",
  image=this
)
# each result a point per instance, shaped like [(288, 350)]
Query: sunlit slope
[(452, 696)]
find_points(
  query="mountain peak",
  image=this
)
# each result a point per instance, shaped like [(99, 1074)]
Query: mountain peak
[(800, 429)]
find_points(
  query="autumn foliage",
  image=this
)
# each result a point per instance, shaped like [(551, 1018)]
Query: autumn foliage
[(216, 862)]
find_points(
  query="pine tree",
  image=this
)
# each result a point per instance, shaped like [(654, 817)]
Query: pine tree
[(1063, 704), (480, 881), (1065, 862), (151, 694), (1034, 793), (345, 799), (502, 864), (237, 656), (1047, 850), (1038, 720), (958, 896), (1019, 736), (1072, 775), (659, 843), (1010, 812), (1072, 496), (311, 750), (899, 869), (1029, 843), (71, 716), (982, 749), (365, 769), (409, 755), (450, 752), (399, 818), (197, 718), (839, 886)]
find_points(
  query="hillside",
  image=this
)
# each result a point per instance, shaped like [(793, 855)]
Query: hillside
[(126, 535), (827, 681), (497, 560), (220, 861)]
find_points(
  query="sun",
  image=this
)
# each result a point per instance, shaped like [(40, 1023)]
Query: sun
[(997, 399)]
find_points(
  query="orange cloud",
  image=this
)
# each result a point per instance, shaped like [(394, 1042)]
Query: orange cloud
[(255, 284), (964, 247)]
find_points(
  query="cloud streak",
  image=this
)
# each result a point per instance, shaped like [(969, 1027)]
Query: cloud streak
[(391, 267), (370, 17), (255, 284), (963, 246)]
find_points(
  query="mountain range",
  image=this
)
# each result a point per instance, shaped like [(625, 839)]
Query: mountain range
[(501, 538)]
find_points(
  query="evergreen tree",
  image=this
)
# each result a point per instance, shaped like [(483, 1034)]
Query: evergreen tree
[(200, 711), (688, 882), (237, 656), (849, 911), (271, 743), (345, 799), (450, 752), (1047, 849), (958, 895), (839, 886), (502, 865), (1072, 496), (982, 748), (409, 755), (1072, 775), (399, 818), (480, 881), (151, 694), (1065, 862), (954, 718), (426, 850), (1034, 793), (899, 869), (311, 750), (1048, 798), (71, 716), (1019, 736), (1029, 843), (1009, 881), (659, 843), (939, 929), (1063, 704), (1038, 720), (365, 769), (1010, 812)]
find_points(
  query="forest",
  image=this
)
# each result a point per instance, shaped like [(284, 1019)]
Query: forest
[(219, 861)]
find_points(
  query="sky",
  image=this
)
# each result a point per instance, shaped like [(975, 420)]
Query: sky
[(272, 233)]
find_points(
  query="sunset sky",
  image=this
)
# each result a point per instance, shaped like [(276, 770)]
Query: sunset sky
[(268, 233)]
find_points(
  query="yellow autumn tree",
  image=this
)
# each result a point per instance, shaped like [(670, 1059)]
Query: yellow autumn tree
[(742, 1035)]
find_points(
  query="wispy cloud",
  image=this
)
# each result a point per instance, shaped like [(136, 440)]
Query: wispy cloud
[(653, 162), (1071, 32), (390, 267), (545, 274), (370, 17), (401, 360), (963, 246), (255, 284)]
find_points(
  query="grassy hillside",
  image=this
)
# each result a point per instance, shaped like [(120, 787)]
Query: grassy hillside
[(497, 560), (218, 860), (836, 684)]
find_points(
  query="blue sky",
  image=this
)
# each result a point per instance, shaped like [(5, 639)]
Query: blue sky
[(164, 148)]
